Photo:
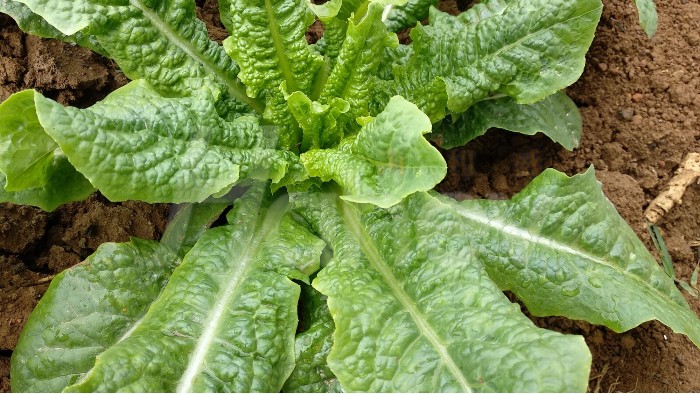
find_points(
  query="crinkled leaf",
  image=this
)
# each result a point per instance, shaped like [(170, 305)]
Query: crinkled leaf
[(531, 50), (408, 15), (33, 24), (268, 42), (557, 117), (357, 62), (87, 309), (160, 41), (312, 373), (563, 249), (137, 144), (63, 184), (648, 18), (333, 38), (388, 159), (415, 310), (319, 122), (226, 320)]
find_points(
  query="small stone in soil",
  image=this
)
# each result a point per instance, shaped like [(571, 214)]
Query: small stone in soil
[(626, 113)]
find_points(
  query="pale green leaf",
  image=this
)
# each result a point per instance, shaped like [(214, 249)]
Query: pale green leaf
[(137, 144), (562, 248), (33, 24), (408, 15), (327, 10), (63, 184), (388, 159), (529, 51), (648, 18), (162, 42), (416, 312), (87, 309), (319, 122), (312, 373), (557, 117), (26, 152), (226, 320)]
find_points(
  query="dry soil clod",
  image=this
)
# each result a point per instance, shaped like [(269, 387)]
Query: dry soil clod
[(686, 174)]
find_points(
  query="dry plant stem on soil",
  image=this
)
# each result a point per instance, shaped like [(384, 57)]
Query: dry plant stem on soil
[(687, 173)]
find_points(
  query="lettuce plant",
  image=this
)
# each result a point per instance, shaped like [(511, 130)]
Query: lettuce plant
[(339, 268)]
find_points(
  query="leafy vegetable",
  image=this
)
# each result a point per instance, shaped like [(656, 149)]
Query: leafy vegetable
[(339, 268)]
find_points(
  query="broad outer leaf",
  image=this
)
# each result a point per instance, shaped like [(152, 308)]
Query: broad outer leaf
[(226, 320), (531, 50), (647, 16), (160, 41), (561, 247), (137, 144), (87, 309), (312, 373), (388, 160), (415, 310), (557, 117)]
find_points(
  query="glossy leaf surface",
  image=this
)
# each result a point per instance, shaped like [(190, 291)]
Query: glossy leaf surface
[(415, 310), (87, 309), (561, 247)]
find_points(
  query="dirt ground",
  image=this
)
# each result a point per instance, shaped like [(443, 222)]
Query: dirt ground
[(640, 103)]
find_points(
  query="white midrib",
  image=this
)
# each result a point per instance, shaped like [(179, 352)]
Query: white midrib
[(205, 341), (376, 260), (514, 231), (234, 86)]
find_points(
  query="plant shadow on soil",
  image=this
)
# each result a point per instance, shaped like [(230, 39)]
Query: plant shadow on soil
[(640, 112)]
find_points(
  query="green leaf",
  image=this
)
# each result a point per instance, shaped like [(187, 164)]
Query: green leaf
[(312, 373), (226, 319), (408, 15), (26, 152), (357, 62), (563, 249), (319, 122), (63, 184), (648, 18), (33, 24), (190, 222), (388, 160), (415, 311), (139, 145), (557, 117), (531, 50), (268, 42), (162, 42), (87, 309)]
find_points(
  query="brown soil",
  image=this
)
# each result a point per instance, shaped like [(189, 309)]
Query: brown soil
[(640, 107)]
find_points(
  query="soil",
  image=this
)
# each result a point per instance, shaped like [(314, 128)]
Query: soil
[(640, 103)]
